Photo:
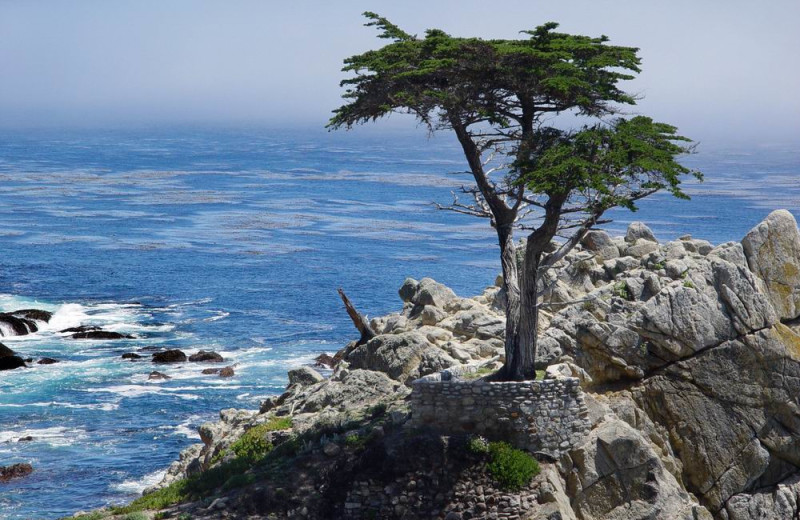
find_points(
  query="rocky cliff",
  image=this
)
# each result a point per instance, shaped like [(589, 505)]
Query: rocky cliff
[(687, 352)]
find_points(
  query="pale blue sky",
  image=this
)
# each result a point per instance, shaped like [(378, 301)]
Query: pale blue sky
[(717, 69)]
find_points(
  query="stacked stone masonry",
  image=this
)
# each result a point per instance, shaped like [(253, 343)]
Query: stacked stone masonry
[(431, 494), (547, 416)]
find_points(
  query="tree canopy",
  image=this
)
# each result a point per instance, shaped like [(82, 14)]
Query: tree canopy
[(506, 83), (497, 95)]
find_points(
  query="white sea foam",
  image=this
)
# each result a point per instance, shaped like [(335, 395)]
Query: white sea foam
[(106, 407), (54, 436), (136, 486), (141, 390)]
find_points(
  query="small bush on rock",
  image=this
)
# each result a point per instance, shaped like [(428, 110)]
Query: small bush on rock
[(478, 445), (511, 468)]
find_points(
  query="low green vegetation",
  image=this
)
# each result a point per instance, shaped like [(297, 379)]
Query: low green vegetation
[(513, 469), (249, 450), (481, 372), (478, 445), (135, 516), (94, 515), (622, 290)]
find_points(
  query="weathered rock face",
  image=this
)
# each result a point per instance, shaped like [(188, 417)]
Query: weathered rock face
[(639, 231), (732, 414), (404, 357), (773, 253), (694, 333), (304, 376), (615, 474)]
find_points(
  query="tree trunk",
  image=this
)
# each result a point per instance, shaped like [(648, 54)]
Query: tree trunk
[(529, 316), (358, 320), (508, 261)]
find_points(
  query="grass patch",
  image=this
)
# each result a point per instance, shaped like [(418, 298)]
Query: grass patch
[(481, 372), (135, 516), (540, 375), (513, 469), (94, 515)]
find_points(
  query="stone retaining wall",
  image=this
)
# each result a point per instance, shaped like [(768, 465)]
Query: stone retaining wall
[(547, 416)]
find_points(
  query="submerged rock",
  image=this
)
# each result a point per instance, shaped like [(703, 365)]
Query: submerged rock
[(19, 326), (33, 314), (9, 360), (15, 471), (227, 372), (206, 356), (100, 335), (169, 356), (131, 355), (158, 375), (47, 361), (5, 351), (81, 328)]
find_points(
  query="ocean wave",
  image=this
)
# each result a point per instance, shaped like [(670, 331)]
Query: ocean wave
[(54, 436), (137, 485)]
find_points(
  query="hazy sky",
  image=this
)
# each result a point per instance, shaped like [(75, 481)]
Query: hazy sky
[(717, 69)]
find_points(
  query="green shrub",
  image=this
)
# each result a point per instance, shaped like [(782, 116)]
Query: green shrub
[(511, 468), (353, 440), (94, 515), (688, 283), (622, 290), (160, 499), (135, 516), (252, 445), (478, 445)]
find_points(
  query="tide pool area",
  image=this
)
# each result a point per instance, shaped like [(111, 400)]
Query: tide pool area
[(235, 240)]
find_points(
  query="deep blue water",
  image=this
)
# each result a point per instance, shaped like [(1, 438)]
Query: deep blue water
[(236, 240)]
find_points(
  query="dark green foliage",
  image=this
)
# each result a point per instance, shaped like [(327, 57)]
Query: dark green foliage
[(440, 76), (615, 164), (513, 469), (354, 441)]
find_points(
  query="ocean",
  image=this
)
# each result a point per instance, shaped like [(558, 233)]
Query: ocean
[(235, 240)]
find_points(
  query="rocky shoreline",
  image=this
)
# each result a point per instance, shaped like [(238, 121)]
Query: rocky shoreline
[(688, 355)]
